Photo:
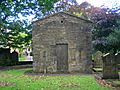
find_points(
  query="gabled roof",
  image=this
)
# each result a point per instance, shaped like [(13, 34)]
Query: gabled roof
[(65, 14)]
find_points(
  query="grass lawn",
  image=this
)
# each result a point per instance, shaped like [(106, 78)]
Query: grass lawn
[(22, 58), (16, 80)]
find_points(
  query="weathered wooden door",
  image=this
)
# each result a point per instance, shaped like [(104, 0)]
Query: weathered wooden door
[(62, 57)]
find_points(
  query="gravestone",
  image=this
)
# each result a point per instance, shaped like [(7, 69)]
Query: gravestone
[(110, 70), (118, 58), (98, 59), (7, 58), (14, 57)]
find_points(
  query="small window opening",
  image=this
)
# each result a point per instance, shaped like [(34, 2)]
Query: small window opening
[(61, 21)]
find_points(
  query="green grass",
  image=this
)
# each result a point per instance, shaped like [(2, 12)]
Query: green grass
[(16, 80), (22, 58), (116, 82)]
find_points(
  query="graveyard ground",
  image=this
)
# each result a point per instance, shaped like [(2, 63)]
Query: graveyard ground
[(17, 80)]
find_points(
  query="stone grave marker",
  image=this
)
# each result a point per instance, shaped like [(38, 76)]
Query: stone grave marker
[(110, 70), (98, 59)]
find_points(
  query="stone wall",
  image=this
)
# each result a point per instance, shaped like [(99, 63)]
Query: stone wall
[(62, 28)]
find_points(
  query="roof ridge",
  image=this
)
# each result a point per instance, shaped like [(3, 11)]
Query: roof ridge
[(63, 13)]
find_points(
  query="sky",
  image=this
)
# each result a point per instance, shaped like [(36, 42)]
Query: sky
[(98, 3)]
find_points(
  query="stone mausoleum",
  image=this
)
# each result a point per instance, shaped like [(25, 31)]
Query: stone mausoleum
[(62, 43)]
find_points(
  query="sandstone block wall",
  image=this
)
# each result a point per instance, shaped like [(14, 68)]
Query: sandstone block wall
[(62, 28)]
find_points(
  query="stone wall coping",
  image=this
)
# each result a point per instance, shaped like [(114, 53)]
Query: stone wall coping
[(62, 13), (106, 54)]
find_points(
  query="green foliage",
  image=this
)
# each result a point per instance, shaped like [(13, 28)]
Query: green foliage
[(16, 79), (114, 41), (12, 28), (63, 5), (106, 25), (106, 34), (114, 38)]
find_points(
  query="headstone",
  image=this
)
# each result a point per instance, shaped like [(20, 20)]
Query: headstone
[(5, 57), (110, 70), (118, 58), (14, 57), (98, 59)]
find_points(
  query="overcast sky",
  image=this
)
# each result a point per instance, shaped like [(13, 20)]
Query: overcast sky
[(107, 3)]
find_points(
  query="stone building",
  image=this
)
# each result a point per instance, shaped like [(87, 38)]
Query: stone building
[(62, 43)]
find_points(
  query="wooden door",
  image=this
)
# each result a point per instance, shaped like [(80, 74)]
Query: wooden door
[(62, 57)]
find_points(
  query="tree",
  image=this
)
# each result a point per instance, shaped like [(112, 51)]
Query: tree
[(14, 32), (72, 7), (63, 5), (107, 24)]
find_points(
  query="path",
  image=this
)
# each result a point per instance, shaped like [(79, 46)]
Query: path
[(29, 58)]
